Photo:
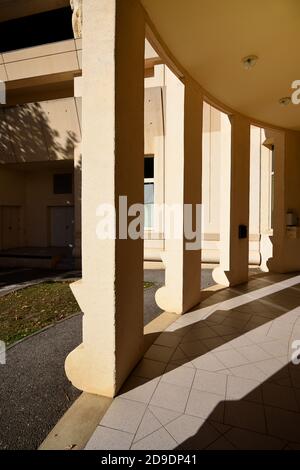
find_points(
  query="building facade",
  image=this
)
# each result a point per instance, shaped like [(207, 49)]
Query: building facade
[(128, 109), (41, 138)]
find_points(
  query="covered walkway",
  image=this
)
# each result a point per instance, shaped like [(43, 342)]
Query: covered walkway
[(221, 377)]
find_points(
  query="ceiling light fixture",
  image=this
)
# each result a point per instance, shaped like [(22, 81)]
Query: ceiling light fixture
[(285, 101), (249, 62)]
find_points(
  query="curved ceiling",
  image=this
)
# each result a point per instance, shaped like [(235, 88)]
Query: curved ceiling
[(209, 38)]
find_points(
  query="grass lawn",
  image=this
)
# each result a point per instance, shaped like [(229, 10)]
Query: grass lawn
[(29, 310), (147, 285)]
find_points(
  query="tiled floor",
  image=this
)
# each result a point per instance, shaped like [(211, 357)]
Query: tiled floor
[(220, 377)]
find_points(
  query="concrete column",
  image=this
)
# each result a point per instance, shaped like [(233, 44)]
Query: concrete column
[(266, 246), (255, 196), (273, 231), (183, 162), (111, 290), (234, 201)]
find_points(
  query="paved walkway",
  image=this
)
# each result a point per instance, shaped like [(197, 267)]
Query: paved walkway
[(34, 390), (220, 377)]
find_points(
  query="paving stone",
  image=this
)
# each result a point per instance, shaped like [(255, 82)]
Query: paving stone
[(109, 439), (211, 382), (159, 440), (231, 358), (149, 369), (138, 389), (270, 366), (168, 339), (254, 353), (239, 388), (247, 440), (192, 433), (170, 396), (208, 362), (193, 348), (124, 415), (221, 444), (205, 405), (249, 371), (245, 415), (283, 424), (275, 348), (281, 397), (163, 415), (148, 425), (159, 353), (180, 375)]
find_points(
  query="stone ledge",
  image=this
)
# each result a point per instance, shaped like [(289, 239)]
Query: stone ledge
[(74, 429)]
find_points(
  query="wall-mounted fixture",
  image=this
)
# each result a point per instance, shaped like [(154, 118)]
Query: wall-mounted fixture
[(249, 62), (285, 101), (291, 219), (292, 232), (292, 229), (243, 231)]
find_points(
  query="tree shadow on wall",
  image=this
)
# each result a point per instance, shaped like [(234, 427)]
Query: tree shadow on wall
[(26, 135)]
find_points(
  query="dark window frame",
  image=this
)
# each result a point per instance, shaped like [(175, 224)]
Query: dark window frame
[(35, 30), (63, 183)]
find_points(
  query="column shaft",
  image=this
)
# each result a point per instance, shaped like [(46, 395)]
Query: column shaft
[(234, 203), (183, 163), (111, 290)]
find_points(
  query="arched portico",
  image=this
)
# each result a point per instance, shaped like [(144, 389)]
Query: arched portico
[(111, 291)]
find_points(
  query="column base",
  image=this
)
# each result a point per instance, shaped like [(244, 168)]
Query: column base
[(266, 249), (82, 369), (181, 292), (168, 301), (227, 278)]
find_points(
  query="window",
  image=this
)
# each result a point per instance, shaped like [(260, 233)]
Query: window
[(63, 183), (149, 191), (35, 30)]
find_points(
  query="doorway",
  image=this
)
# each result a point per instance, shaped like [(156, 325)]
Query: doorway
[(62, 226), (10, 226)]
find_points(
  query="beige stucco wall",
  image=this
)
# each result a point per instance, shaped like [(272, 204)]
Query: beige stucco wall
[(37, 141), (12, 187), (42, 131), (287, 250), (292, 172), (59, 57), (32, 192), (12, 193)]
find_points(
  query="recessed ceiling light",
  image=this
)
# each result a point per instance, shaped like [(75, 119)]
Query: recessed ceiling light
[(249, 62), (285, 101)]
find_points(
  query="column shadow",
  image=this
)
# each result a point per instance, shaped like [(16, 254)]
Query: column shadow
[(266, 306)]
